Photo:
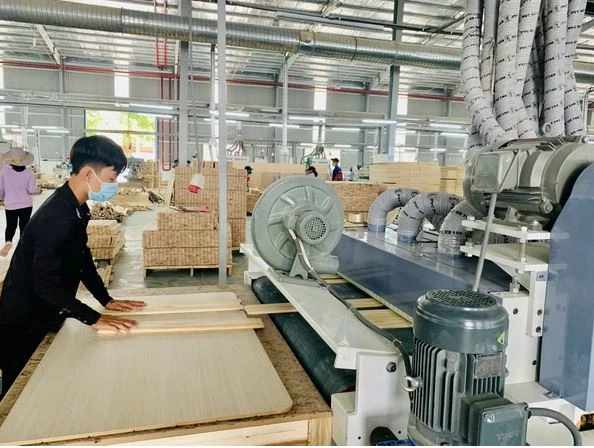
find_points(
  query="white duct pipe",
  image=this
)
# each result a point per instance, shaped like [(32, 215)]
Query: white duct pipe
[(555, 26), (505, 67), (476, 103), (573, 112), (532, 90)]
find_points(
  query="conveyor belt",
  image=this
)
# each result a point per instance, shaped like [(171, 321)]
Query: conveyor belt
[(312, 352)]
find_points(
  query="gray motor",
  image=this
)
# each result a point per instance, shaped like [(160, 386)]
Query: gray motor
[(458, 373)]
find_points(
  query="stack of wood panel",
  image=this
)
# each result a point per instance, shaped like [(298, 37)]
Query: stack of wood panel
[(134, 198), (149, 171), (423, 176), (252, 197), (452, 179), (184, 240), (109, 211), (267, 173), (209, 196), (356, 197), (106, 239)]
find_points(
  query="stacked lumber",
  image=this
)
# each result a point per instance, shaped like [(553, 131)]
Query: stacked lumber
[(184, 240), (265, 174), (356, 197), (452, 179), (134, 198), (149, 171), (105, 271), (252, 197), (109, 212), (49, 181), (209, 196), (106, 239), (423, 176)]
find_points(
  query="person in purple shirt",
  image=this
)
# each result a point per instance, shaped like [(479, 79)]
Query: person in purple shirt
[(17, 184)]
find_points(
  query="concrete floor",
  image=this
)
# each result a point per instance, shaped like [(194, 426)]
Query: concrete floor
[(129, 272)]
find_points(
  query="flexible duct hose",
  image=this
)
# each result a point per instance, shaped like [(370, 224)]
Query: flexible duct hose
[(533, 89), (473, 144), (554, 69), (476, 103), (420, 207), (385, 203), (488, 50), (452, 234), (574, 122), (505, 68), (529, 12)]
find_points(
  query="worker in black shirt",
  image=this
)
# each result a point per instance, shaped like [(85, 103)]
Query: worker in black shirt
[(52, 258)]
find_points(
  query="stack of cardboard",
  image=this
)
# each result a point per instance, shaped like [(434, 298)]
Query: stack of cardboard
[(184, 240), (356, 197), (209, 196), (149, 171), (452, 179), (106, 239), (423, 176)]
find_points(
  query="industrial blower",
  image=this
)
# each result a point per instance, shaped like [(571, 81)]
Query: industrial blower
[(296, 224)]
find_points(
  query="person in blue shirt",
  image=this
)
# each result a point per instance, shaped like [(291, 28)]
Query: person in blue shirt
[(336, 170)]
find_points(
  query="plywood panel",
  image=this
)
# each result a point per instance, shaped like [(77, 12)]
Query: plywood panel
[(386, 319), (87, 385), (185, 303), (189, 323)]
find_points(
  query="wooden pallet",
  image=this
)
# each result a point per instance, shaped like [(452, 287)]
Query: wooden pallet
[(147, 269)]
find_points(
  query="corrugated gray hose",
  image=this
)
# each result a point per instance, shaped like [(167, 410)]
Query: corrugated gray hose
[(423, 206), (451, 234), (385, 203)]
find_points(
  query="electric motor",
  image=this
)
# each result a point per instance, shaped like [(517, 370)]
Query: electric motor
[(459, 367)]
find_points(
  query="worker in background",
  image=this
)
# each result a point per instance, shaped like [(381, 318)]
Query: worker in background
[(248, 175), (17, 184), (188, 164), (336, 170), (52, 258), (175, 163), (311, 171)]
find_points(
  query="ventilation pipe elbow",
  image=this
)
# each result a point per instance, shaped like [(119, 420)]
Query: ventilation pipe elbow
[(425, 205), (385, 203), (452, 234)]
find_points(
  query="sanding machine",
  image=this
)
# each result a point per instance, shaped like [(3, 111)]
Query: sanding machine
[(483, 361)]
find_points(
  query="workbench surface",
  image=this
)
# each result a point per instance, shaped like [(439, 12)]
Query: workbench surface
[(308, 408)]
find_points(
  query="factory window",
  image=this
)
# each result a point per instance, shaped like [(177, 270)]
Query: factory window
[(135, 132), (121, 85)]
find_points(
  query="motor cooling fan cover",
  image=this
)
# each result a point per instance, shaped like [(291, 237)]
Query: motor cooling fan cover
[(309, 206)]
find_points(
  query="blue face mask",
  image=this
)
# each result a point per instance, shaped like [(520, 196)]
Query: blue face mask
[(108, 191)]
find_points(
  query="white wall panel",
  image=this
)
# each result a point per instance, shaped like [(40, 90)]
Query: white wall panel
[(89, 83), (31, 79), (345, 102)]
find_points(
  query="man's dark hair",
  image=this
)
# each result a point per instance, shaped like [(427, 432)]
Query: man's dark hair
[(98, 152), (335, 160)]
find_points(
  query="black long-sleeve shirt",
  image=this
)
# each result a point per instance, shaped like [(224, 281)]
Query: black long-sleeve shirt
[(49, 262)]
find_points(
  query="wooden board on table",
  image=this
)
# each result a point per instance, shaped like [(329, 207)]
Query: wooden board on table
[(386, 318), (185, 303), (121, 384), (189, 323), (278, 308)]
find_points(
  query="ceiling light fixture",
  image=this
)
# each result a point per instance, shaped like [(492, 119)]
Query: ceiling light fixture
[(152, 106)]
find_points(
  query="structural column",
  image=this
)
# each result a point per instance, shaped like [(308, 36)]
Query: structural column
[(394, 84), (185, 10), (65, 146), (222, 48)]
